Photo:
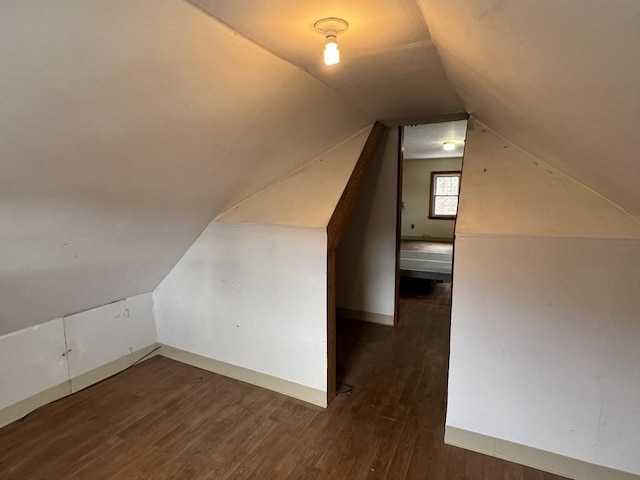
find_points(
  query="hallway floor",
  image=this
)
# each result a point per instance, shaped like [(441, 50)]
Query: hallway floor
[(165, 420)]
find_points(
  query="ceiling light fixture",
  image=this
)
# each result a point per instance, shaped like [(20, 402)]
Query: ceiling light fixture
[(330, 28), (449, 146)]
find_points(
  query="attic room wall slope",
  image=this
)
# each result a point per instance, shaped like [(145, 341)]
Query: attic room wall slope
[(251, 296), (125, 128), (306, 197), (545, 319), (559, 79), (253, 291), (505, 191)]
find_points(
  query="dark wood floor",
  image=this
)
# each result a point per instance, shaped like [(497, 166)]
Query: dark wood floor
[(165, 420)]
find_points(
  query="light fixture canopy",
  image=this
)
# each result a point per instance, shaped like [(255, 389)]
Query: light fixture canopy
[(330, 27), (449, 146)]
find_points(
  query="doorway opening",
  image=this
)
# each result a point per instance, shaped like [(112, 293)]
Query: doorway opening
[(379, 253), (430, 164)]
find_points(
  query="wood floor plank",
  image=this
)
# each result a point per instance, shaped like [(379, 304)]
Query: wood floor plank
[(386, 450), (493, 468), (165, 420), (402, 457), (427, 459)]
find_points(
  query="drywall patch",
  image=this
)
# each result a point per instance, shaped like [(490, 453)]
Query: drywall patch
[(127, 324), (27, 405), (32, 360), (42, 363)]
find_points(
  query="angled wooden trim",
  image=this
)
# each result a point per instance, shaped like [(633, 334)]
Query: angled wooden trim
[(400, 173), (335, 229), (347, 199), (331, 326)]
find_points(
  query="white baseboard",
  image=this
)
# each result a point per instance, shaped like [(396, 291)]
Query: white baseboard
[(379, 318), (532, 457), (295, 390), (107, 370), (23, 407)]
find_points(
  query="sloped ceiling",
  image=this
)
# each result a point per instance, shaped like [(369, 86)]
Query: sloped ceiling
[(560, 79), (308, 196), (125, 127), (390, 67), (533, 199)]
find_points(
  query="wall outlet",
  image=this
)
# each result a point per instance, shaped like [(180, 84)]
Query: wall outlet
[(413, 225)]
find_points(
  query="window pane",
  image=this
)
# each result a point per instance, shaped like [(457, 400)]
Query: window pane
[(445, 205), (447, 185)]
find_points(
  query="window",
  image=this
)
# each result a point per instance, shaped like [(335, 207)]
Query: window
[(445, 188)]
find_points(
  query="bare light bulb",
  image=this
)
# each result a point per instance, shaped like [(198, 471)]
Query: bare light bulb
[(330, 28), (331, 52), (449, 146)]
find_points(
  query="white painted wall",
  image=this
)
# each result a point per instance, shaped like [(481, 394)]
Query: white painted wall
[(33, 359), (546, 310), (253, 296), (416, 191), (366, 256), (125, 128), (104, 334), (252, 290), (545, 345)]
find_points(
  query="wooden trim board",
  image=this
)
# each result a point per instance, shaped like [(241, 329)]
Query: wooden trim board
[(107, 370), (379, 318), (399, 180), (331, 326), (295, 390), (24, 407), (343, 209), (335, 228), (532, 457)]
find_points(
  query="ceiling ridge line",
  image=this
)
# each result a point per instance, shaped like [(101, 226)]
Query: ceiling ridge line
[(267, 50), (438, 47), (423, 17), (393, 48)]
